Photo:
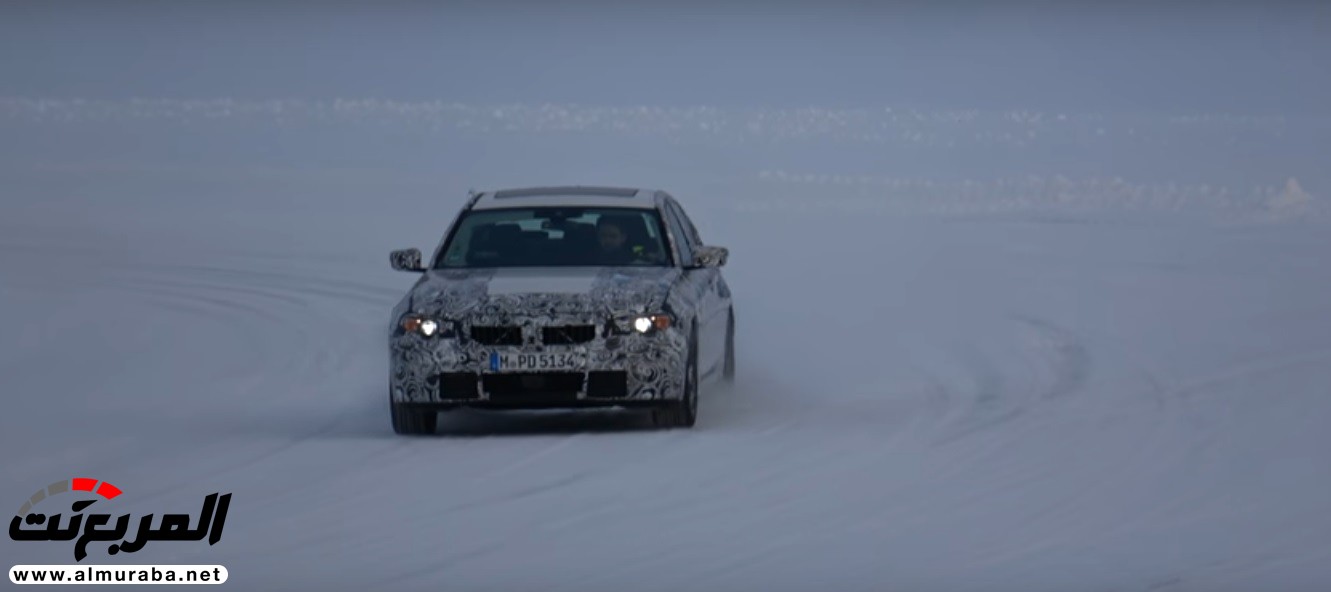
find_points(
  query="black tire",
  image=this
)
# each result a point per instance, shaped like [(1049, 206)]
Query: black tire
[(683, 413), (412, 421), (728, 372)]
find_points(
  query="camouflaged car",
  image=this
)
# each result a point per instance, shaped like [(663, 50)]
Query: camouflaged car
[(562, 297)]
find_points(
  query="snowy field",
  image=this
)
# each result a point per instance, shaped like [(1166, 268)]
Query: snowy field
[(1111, 375)]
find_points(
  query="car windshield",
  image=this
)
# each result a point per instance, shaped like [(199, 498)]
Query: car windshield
[(556, 237)]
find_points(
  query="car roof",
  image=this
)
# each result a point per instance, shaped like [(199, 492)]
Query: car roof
[(566, 195)]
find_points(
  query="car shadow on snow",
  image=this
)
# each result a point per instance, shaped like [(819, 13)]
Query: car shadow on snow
[(368, 419), (372, 423), (477, 422)]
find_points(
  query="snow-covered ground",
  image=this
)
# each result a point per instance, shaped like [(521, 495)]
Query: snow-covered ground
[(1105, 376)]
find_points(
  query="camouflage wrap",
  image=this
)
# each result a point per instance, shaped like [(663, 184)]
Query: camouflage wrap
[(535, 298)]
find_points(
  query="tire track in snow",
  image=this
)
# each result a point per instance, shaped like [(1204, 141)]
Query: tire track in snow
[(1153, 430), (1059, 352), (439, 565), (306, 283), (254, 306), (1191, 388), (256, 316), (1064, 353), (528, 459)]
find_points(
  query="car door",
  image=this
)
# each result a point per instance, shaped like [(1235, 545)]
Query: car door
[(718, 291), (711, 297)]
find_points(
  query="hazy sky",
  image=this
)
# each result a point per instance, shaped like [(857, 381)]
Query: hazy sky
[(1064, 55)]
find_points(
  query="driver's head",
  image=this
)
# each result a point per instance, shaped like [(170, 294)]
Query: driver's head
[(610, 233)]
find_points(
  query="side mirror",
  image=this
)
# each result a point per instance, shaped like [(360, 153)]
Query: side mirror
[(710, 257), (406, 260)]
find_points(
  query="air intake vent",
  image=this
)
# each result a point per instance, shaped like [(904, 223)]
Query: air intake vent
[(568, 334), (505, 335), (457, 385), (535, 383), (608, 383)]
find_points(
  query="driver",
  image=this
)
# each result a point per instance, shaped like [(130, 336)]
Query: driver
[(614, 242)]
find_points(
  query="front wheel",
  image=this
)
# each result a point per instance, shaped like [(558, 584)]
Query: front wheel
[(728, 372), (682, 413), (409, 420)]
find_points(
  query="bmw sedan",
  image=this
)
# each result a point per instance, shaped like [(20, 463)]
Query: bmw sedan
[(562, 297)]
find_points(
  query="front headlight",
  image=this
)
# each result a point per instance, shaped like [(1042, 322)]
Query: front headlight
[(643, 323), (427, 326)]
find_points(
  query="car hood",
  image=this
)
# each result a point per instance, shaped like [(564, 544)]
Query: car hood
[(525, 292)]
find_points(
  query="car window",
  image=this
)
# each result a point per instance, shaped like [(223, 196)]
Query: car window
[(688, 224), (555, 237), (681, 237)]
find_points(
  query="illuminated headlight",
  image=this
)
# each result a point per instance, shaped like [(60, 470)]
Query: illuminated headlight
[(426, 326), (429, 327), (643, 323)]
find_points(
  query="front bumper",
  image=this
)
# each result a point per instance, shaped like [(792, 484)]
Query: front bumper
[(619, 370)]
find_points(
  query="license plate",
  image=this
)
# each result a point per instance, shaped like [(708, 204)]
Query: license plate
[(502, 362)]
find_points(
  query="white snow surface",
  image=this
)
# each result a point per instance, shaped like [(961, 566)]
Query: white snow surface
[(1027, 398)]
